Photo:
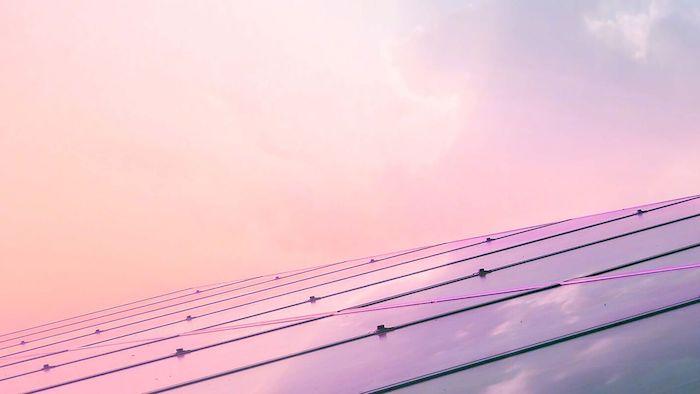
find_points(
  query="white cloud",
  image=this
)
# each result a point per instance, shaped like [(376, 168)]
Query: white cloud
[(628, 31)]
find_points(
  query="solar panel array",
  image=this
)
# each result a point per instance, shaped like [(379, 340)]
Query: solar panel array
[(605, 302)]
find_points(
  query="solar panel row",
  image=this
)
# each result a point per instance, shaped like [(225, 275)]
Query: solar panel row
[(223, 336)]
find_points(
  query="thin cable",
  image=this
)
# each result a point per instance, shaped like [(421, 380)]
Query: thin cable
[(322, 266), (676, 201), (535, 346), (383, 256), (58, 352), (380, 257), (246, 294), (337, 343)]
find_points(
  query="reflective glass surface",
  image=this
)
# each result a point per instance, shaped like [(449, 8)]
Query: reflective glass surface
[(466, 336), (132, 337), (658, 354)]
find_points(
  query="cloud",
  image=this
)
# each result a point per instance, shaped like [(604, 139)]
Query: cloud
[(520, 383), (629, 31), (657, 32)]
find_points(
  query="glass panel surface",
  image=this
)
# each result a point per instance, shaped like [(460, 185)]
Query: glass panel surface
[(178, 307), (578, 262), (489, 261), (334, 328), (654, 355), (196, 302), (443, 342), (460, 338)]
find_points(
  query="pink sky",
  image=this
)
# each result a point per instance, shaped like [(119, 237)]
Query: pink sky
[(149, 146)]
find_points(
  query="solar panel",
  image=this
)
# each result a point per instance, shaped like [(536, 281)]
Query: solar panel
[(476, 314), (655, 354)]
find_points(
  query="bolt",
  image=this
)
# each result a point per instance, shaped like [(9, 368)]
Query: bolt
[(382, 330)]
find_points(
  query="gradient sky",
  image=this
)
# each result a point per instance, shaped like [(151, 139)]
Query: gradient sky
[(148, 146)]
